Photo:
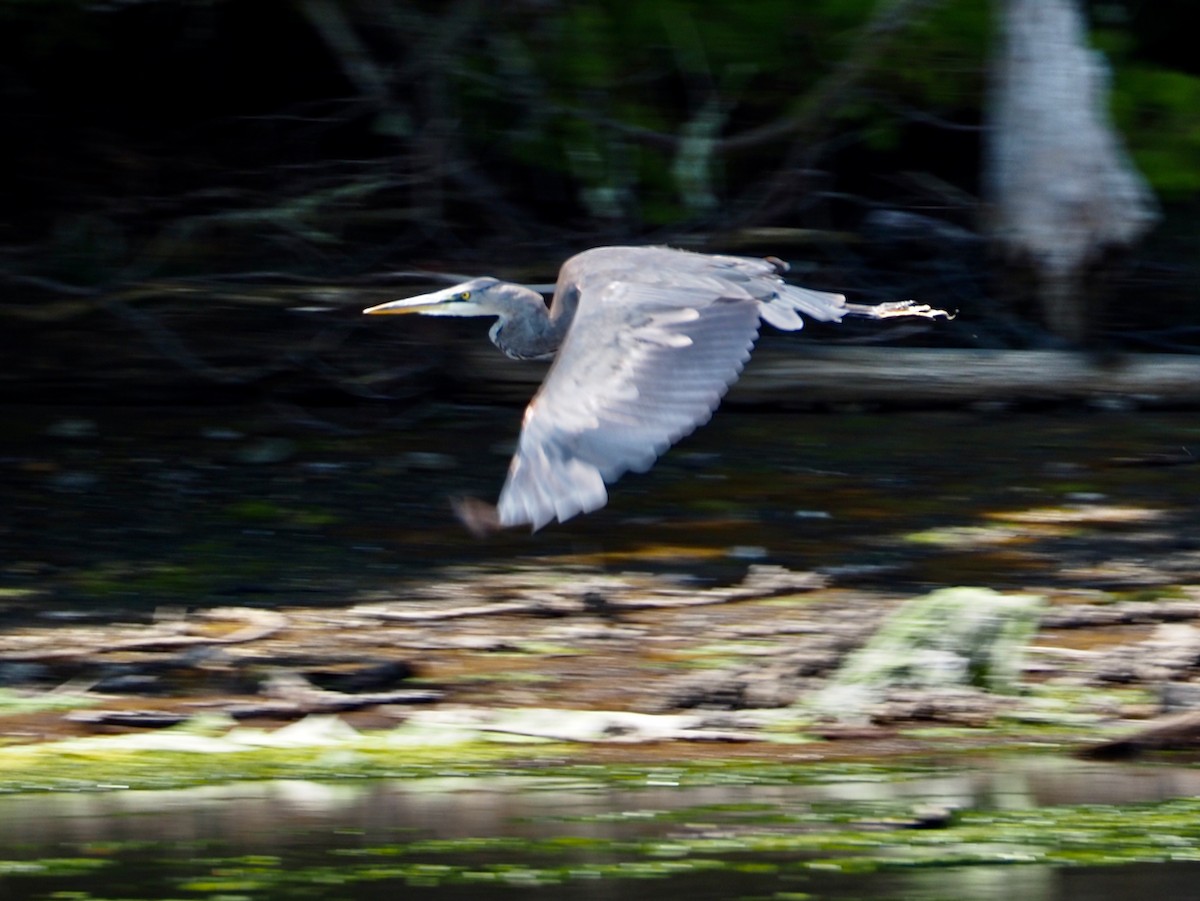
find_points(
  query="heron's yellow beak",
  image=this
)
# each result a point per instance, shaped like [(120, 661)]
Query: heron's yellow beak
[(420, 304), (447, 302)]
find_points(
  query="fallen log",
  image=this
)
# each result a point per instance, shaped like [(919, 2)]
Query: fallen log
[(805, 374)]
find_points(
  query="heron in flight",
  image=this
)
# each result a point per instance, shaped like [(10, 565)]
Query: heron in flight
[(645, 341)]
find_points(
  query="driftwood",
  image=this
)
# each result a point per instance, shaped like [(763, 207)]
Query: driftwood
[(1178, 732), (592, 726), (259, 624), (809, 374), (296, 698), (1124, 613), (761, 582)]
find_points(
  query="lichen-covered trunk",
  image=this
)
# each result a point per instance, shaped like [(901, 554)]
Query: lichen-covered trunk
[(1063, 193)]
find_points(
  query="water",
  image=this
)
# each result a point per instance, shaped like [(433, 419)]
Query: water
[(494, 837), (120, 507)]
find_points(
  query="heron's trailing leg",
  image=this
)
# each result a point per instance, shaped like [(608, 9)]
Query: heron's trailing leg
[(895, 308), (481, 518)]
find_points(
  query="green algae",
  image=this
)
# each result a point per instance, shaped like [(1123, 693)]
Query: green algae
[(777, 839), (189, 756), (53, 866), (761, 840), (874, 835), (14, 703), (949, 638)]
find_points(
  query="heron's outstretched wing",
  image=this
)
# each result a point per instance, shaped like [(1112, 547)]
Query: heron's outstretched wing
[(653, 347)]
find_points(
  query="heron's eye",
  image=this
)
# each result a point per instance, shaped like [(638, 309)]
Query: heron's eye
[(466, 295)]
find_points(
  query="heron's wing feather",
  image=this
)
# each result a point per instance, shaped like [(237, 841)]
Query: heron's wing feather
[(643, 365)]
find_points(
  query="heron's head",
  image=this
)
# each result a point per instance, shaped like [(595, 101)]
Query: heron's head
[(478, 297)]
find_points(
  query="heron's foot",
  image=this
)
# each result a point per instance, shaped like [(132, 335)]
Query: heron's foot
[(896, 308), (481, 518)]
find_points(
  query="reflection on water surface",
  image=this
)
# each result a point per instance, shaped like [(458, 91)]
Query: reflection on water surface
[(206, 506), (458, 837)]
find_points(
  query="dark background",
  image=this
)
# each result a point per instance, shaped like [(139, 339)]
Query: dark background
[(330, 143)]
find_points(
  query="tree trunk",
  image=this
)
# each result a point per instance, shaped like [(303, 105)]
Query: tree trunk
[(1062, 190)]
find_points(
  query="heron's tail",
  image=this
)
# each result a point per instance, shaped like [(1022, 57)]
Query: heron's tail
[(784, 309)]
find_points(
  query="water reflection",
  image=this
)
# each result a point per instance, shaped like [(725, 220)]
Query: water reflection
[(1170, 882), (250, 814), (302, 823), (154, 508)]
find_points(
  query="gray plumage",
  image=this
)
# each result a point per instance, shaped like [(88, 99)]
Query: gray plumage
[(646, 341)]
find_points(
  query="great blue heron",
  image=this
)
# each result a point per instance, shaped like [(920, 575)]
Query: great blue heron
[(646, 341)]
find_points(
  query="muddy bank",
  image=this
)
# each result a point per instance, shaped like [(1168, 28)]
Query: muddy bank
[(249, 561), (740, 660)]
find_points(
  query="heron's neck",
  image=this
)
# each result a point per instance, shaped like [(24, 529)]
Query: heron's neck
[(525, 329)]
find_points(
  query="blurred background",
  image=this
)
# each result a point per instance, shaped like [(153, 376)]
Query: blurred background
[(335, 139), (198, 197)]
